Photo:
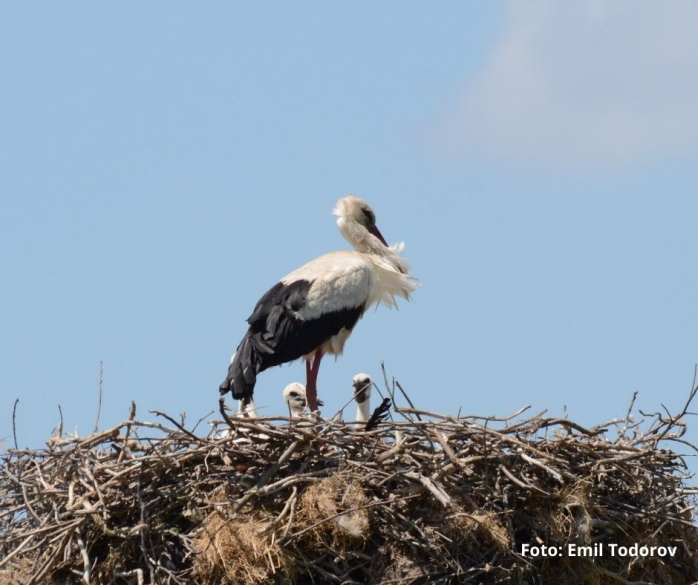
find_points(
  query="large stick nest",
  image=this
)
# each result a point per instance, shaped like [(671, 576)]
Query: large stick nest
[(426, 499)]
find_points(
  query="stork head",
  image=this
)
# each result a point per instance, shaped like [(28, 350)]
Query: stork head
[(362, 388), (294, 396), (354, 218)]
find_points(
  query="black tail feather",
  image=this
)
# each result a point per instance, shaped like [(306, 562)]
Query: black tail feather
[(243, 370), (379, 414)]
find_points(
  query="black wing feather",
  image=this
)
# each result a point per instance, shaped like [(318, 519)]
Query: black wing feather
[(379, 414), (276, 335)]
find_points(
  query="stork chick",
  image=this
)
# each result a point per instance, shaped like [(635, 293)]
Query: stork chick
[(295, 398), (362, 395)]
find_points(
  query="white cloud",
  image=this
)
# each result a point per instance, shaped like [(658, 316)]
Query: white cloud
[(583, 85)]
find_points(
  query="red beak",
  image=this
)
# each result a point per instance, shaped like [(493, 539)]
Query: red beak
[(375, 232)]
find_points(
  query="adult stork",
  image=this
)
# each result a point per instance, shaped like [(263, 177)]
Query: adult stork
[(313, 310)]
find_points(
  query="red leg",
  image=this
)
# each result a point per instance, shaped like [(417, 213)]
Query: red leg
[(311, 372)]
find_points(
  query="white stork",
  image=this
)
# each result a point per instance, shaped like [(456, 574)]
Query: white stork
[(295, 398), (362, 395), (312, 310)]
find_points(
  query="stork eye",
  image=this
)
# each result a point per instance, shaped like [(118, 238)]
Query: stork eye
[(369, 216)]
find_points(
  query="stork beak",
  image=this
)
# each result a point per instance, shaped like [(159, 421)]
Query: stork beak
[(360, 391), (375, 232)]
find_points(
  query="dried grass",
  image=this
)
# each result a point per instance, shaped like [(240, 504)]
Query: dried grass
[(429, 499), (232, 551)]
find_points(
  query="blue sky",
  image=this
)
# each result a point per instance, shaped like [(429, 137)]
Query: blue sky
[(163, 164)]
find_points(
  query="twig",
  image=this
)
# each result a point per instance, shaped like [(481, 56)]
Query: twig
[(408, 399), (143, 530), (14, 425), (178, 425), (224, 414), (60, 424), (137, 572), (99, 401), (629, 413), (128, 424), (85, 557)]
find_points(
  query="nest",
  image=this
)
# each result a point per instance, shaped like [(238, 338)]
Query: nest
[(425, 499)]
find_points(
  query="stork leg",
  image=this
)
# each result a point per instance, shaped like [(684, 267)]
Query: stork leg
[(311, 371), (247, 408)]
